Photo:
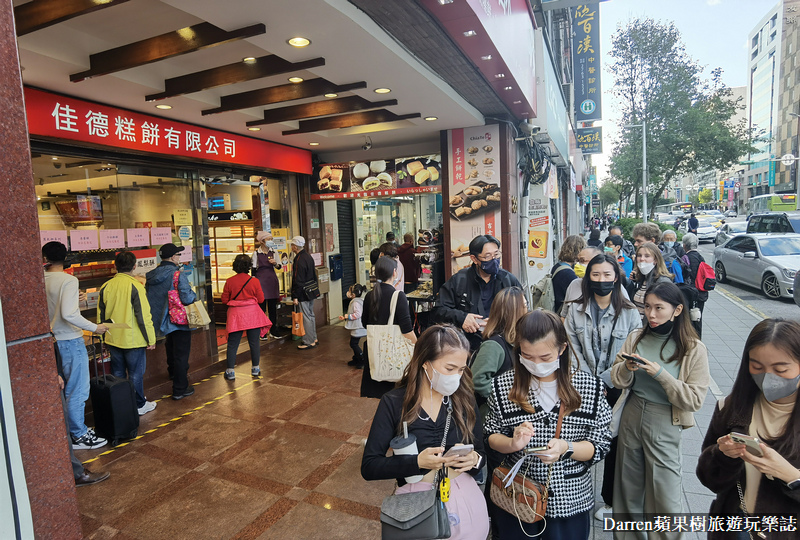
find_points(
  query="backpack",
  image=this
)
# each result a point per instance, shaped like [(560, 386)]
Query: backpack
[(543, 295), (705, 279)]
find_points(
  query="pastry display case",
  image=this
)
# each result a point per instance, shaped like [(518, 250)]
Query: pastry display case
[(227, 239)]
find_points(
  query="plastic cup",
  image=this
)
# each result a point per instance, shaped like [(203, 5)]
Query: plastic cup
[(406, 446)]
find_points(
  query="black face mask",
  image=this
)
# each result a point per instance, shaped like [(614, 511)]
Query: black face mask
[(601, 288), (663, 329)]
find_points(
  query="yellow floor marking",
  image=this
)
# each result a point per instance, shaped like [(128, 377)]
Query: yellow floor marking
[(174, 419)]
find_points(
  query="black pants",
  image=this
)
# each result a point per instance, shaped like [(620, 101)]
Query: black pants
[(609, 463), (270, 306), (252, 339), (179, 345), (355, 344), (698, 325), (575, 527)]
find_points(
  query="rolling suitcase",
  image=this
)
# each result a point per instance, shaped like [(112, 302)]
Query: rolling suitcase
[(114, 403)]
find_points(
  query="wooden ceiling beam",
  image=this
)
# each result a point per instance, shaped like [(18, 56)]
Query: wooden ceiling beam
[(40, 14), (183, 41), (265, 66), (319, 108), (349, 120), (279, 94)]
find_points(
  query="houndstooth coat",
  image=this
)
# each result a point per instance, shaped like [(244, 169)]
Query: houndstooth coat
[(571, 484)]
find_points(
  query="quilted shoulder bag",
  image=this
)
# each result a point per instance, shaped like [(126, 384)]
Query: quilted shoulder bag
[(519, 495), (177, 311), (417, 516)]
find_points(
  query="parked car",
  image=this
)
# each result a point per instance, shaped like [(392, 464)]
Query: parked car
[(731, 213), (729, 230), (764, 260), (774, 222), (706, 231)]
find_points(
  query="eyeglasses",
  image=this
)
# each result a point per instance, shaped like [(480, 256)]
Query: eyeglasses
[(488, 258)]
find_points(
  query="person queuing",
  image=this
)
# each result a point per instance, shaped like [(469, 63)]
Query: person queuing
[(568, 268), (166, 277), (594, 239), (436, 390), (763, 477), (573, 291), (389, 249), (650, 270), (406, 254), (524, 409), (67, 325), (123, 300), (377, 308), (244, 296), (665, 367), (669, 240), (466, 298), (627, 248), (597, 325), (614, 245), (304, 273), (264, 265), (690, 243)]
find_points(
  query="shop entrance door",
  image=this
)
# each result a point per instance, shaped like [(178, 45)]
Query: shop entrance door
[(347, 245), (375, 218)]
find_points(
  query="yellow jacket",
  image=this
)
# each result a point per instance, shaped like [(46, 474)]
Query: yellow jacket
[(123, 301)]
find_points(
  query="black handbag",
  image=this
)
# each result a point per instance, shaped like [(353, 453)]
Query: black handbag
[(417, 516), (311, 289)]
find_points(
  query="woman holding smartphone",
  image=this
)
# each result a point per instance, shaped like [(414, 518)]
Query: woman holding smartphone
[(763, 412), (524, 409), (665, 368), (436, 390)]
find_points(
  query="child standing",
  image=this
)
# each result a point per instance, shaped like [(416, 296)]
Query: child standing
[(353, 318)]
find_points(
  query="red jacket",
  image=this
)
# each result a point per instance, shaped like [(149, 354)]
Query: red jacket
[(234, 284)]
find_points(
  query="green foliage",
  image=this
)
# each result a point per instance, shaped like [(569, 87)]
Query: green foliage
[(609, 194), (705, 196)]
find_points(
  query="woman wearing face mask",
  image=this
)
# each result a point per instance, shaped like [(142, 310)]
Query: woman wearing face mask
[(436, 390), (264, 266), (567, 269), (613, 246), (764, 403), (597, 325), (650, 270), (523, 413), (666, 372), (376, 310)]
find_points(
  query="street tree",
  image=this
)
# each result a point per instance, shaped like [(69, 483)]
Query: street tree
[(705, 196), (689, 120)]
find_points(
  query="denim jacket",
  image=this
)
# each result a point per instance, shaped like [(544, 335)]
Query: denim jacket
[(159, 283)]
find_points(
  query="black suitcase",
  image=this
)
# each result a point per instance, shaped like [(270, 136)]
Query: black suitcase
[(114, 403)]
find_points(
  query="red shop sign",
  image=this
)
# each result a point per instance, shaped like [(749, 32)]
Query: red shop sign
[(64, 117)]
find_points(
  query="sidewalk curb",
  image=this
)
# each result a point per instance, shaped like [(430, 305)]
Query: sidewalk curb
[(750, 310)]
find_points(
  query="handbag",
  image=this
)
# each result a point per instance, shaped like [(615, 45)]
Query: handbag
[(417, 516), (297, 323), (311, 289), (519, 495), (388, 350), (197, 315), (177, 311)]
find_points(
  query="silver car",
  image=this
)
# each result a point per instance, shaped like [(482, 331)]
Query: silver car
[(765, 260), (729, 230)]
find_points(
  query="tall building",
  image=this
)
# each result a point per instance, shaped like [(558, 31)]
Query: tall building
[(789, 97)]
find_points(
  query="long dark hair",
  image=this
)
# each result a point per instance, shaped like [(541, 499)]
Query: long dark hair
[(617, 299), (384, 269), (783, 335), (683, 333), (433, 343), (536, 326)]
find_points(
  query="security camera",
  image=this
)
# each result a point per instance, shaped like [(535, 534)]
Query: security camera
[(367, 144), (57, 165)]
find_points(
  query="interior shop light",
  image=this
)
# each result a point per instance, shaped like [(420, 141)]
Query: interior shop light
[(299, 42)]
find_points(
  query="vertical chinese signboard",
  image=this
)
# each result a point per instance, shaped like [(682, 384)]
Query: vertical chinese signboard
[(590, 140), (474, 205), (586, 61)]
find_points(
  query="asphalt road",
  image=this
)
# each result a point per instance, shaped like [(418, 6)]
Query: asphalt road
[(751, 297)]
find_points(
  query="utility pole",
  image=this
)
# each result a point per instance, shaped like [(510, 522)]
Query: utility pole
[(643, 125)]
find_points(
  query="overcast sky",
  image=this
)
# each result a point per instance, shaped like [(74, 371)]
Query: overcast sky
[(714, 32)]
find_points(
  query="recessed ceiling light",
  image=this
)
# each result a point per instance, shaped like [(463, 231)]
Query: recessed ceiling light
[(431, 118), (254, 129), (445, 2), (331, 95), (54, 158), (164, 107), (382, 90), (487, 57), (249, 60), (470, 33), (508, 88), (299, 42), (517, 102), (500, 76), (295, 80), (313, 144)]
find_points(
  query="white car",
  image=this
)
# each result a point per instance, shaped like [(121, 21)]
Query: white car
[(706, 232)]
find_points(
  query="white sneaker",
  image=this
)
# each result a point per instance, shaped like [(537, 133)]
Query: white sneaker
[(602, 511), (147, 407), (88, 441)]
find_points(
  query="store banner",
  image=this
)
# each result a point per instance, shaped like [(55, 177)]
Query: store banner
[(63, 117), (586, 61), (475, 194), (539, 253), (590, 140), (552, 183), (378, 178)]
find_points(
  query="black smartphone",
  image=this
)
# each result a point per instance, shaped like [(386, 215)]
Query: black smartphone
[(632, 358)]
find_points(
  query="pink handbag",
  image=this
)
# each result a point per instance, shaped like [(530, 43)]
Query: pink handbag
[(177, 311)]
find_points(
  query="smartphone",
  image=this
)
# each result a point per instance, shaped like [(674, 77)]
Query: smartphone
[(459, 451), (632, 358), (536, 450), (751, 443)]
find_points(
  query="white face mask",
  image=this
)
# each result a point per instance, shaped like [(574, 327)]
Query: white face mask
[(541, 369), (646, 267), (444, 384)]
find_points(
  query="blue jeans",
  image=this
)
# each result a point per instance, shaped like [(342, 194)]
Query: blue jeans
[(130, 363), (75, 361)]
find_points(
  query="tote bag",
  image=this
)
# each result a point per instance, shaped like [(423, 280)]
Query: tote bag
[(297, 323), (197, 315), (389, 352), (177, 311)]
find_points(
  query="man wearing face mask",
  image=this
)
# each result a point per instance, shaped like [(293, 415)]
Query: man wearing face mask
[(264, 266), (466, 298)]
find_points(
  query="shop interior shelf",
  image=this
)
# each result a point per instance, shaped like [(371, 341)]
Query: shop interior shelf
[(88, 283)]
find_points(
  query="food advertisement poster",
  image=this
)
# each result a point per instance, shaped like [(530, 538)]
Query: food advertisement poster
[(474, 204), (378, 178), (538, 254)]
